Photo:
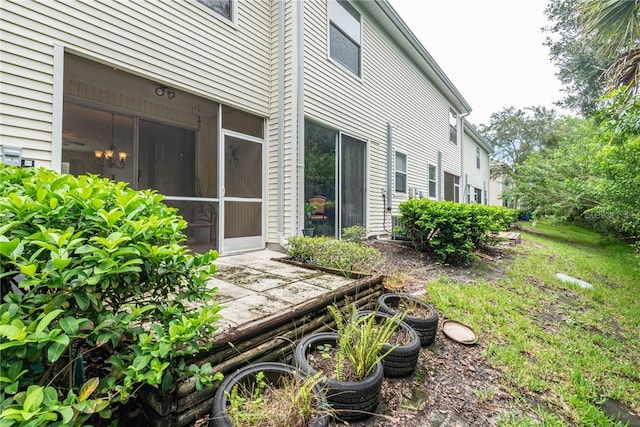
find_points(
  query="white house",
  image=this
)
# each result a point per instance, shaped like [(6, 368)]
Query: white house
[(475, 160), (238, 111), (498, 184)]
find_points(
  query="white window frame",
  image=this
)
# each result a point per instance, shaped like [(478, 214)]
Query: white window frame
[(406, 174), (234, 12), (330, 22), (435, 181), (453, 126), (477, 157), (456, 188)]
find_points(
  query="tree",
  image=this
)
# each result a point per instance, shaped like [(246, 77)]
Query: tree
[(579, 69), (596, 46), (560, 181), (614, 28), (516, 133), (592, 175)]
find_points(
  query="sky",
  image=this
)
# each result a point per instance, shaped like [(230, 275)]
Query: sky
[(491, 50)]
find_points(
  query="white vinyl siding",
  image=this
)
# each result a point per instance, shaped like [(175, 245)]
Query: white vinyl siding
[(174, 43), (392, 91), (476, 177), (288, 169)]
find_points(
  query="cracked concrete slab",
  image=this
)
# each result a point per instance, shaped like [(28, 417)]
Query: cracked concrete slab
[(251, 307), (228, 291), (296, 293)]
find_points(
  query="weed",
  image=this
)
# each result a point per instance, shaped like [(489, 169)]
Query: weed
[(290, 402)]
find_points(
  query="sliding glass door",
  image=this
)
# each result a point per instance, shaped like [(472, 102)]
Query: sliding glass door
[(353, 181), (335, 169)]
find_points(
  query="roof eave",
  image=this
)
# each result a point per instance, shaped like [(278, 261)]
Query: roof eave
[(418, 52), (470, 130)]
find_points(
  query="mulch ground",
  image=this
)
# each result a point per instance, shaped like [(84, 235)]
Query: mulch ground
[(453, 384)]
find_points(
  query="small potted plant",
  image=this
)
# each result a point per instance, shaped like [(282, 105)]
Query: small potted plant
[(309, 210), (350, 361)]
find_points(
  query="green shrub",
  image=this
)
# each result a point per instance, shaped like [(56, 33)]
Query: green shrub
[(92, 266), (453, 230), (355, 233), (328, 252)]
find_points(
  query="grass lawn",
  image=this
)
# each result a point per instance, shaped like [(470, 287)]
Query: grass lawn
[(563, 350)]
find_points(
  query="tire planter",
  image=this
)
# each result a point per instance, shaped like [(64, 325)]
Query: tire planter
[(273, 372), (402, 360), (426, 327), (351, 400)]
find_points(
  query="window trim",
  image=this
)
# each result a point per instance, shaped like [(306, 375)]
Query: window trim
[(359, 42), (477, 157), (234, 12), (453, 128), (406, 172), (429, 181)]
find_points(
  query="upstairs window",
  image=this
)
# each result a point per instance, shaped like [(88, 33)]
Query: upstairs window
[(453, 127), (401, 172), (433, 182), (345, 35), (223, 8), (478, 157)]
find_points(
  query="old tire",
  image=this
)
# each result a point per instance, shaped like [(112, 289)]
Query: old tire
[(273, 373), (351, 400), (426, 327), (402, 360)]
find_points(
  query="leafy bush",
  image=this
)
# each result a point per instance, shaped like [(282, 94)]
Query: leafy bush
[(339, 254), (90, 266), (355, 233), (453, 230)]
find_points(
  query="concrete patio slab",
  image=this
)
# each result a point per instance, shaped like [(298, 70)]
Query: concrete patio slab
[(228, 291), (254, 285), (251, 307), (296, 293)]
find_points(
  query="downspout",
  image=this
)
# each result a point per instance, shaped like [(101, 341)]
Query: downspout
[(464, 188), (58, 101), (440, 176), (281, 106), (298, 126), (389, 166), (388, 192)]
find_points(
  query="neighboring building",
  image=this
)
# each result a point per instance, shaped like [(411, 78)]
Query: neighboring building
[(497, 185), (237, 111), (475, 160)]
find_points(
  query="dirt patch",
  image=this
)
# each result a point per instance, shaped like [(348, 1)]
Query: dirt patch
[(453, 384)]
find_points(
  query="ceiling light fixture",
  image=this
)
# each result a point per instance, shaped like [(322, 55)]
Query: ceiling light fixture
[(110, 155)]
